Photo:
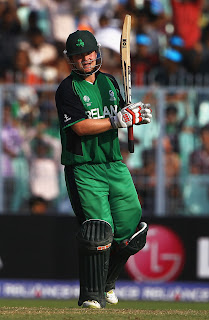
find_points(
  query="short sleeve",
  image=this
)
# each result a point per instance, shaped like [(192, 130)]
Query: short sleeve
[(69, 106)]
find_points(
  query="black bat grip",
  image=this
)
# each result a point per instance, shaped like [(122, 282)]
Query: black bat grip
[(131, 139)]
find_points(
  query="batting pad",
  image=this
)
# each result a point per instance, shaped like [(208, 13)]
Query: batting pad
[(120, 254), (95, 238)]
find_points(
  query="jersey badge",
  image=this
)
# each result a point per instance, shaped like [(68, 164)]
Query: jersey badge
[(111, 93), (86, 99)]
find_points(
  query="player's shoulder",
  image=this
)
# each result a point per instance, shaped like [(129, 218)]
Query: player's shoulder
[(65, 83), (107, 75), (111, 77), (65, 88)]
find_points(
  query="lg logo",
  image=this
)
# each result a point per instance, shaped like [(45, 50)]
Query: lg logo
[(162, 258)]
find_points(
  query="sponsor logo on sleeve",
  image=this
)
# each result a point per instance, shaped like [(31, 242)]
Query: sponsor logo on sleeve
[(66, 118)]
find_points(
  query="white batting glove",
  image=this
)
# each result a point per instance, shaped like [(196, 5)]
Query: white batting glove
[(135, 113), (146, 114)]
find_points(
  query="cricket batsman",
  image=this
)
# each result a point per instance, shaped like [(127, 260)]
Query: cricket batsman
[(90, 110)]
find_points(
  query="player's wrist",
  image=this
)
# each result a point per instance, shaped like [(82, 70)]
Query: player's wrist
[(114, 122)]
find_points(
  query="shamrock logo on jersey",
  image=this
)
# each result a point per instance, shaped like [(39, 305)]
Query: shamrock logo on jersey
[(80, 43)]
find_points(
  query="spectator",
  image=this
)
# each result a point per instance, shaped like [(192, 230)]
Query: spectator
[(177, 43), (190, 58), (146, 182), (11, 147), (43, 170), (38, 206), (199, 158), (196, 185), (203, 57), (174, 125), (22, 71), (189, 30), (62, 65), (33, 21), (10, 34), (40, 52), (94, 9), (26, 101), (172, 174), (33, 14), (108, 37), (142, 20), (47, 115), (42, 55), (143, 61), (155, 28), (62, 16), (186, 15), (170, 72)]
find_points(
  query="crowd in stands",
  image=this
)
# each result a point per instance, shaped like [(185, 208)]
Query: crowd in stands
[(169, 48), (169, 39)]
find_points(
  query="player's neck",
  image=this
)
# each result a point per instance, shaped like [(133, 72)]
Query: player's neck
[(90, 78)]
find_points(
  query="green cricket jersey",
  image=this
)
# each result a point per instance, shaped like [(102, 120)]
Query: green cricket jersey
[(76, 100)]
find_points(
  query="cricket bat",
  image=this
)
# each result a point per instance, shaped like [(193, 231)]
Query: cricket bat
[(126, 71)]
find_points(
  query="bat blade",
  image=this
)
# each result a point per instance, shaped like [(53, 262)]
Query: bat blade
[(126, 71)]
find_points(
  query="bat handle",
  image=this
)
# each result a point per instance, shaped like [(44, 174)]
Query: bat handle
[(131, 139)]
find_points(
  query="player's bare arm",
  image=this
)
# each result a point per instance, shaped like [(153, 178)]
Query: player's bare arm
[(135, 113), (92, 126)]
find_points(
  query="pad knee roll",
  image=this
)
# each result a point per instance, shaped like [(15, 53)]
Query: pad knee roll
[(137, 241), (95, 235)]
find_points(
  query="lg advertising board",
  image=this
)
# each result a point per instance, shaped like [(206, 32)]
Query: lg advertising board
[(46, 248)]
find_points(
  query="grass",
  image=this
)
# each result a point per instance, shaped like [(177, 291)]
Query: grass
[(128, 310)]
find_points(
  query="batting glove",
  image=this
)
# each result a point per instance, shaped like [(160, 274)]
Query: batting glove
[(135, 113)]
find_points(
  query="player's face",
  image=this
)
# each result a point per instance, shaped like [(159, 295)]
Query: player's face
[(85, 62)]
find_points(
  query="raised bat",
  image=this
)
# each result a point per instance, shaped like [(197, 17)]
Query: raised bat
[(126, 71)]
